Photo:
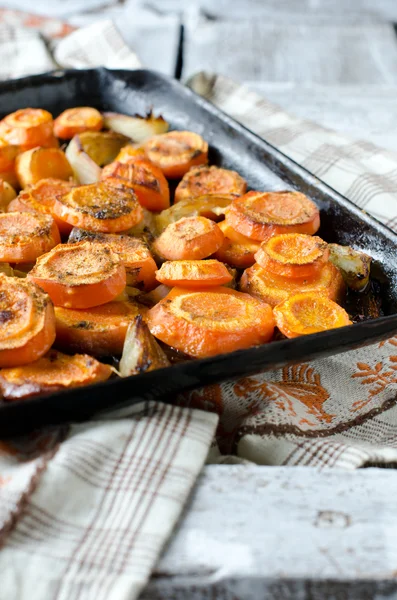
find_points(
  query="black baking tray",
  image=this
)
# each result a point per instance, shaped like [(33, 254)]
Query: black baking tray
[(265, 168)]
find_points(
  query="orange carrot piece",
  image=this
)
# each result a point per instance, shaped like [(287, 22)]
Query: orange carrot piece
[(28, 127), (193, 273), (51, 373), (307, 313), (273, 289), (108, 206), (293, 255), (129, 152), (40, 198), (27, 322), (40, 163), (80, 275), (148, 181), (239, 256), (134, 254), (176, 152), (259, 215), (235, 236), (210, 322), (99, 331), (190, 238), (76, 120), (26, 236), (205, 180)]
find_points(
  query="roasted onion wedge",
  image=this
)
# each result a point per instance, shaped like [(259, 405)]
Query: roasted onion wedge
[(210, 206), (354, 265), (141, 352), (137, 128)]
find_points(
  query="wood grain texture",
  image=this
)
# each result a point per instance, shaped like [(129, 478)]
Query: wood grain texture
[(283, 534)]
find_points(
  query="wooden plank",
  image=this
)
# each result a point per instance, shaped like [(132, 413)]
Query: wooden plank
[(255, 532), (259, 50)]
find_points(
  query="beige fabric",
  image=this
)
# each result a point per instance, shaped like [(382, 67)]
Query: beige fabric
[(338, 411)]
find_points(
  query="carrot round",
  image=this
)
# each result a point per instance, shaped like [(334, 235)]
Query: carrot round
[(80, 275), (176, 152), (148, 181), (27, 322), (8, 154), (51, 373), (293, 254), (204, 180), (190, 238), (40, 163), (307, 313), (40, 198), (130, 151), (193, 273), (236, 255), (28, 127), (134, 254), (26, 236), (210, 322), (99, 331), (259, 215), (76, 120), (273, 289), (108, 206)]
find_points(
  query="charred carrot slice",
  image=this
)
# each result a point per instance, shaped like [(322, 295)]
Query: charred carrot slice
[(26, 236), (176, 152), (76, 120), (193, 273), (99, 331), (273, 289), (108, 206), (209, 180), (259, 215), (80, 275), (192, 238), (28, 127), (293, 255), (51, 373), (40, 198), (130, 151), (27, 322), (303, 314), (41, 163), (134, 254), (206, 323), (148, 181)]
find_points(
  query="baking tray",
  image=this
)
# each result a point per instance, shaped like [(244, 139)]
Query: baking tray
[(265, 168)]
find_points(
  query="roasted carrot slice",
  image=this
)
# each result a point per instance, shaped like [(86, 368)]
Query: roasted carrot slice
[(209, 206), (40, 198), (236, 237), (205, 323), (209, 180), (236, 255), (130, 151), (176, 152), (259, 215), (25, 236), (148, 181), (76, 120), (108, 206), (28, 127), (307, 313), (192, 238), (40, 163), (193, 273), (7, 194), (80, 275), (51, 373), (99, 331), (273, 289), (8, 155), (293, 255), (134, 254), (27, 322)]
